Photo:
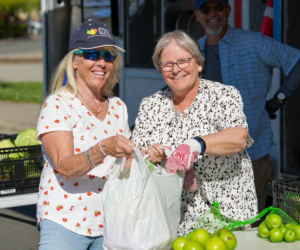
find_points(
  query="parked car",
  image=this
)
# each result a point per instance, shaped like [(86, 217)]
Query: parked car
[(34, 28)]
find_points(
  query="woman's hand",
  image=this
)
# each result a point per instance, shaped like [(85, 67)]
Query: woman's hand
[(156, 153), (117, 146), (183, 157)]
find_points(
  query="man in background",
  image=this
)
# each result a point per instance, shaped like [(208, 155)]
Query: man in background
[(245, 59)]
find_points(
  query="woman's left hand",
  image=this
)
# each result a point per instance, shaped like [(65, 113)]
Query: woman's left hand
[(156, 153), (184, 156)]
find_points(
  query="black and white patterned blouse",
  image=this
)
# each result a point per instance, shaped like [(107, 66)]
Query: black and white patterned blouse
[(228, 180)]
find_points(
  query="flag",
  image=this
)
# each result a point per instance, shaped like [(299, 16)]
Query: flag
[(267, 23)]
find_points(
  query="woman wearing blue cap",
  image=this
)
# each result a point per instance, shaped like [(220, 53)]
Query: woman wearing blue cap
[(83, 129)]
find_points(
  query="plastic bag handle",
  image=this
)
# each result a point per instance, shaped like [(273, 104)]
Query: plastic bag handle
[(120, 163), (138, 154), (146, 156)]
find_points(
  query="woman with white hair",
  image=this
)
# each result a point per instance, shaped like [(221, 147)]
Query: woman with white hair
[(204, 122), (83, 129)]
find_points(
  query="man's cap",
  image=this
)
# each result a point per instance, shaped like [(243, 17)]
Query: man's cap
[(199, 3), (92, 34)]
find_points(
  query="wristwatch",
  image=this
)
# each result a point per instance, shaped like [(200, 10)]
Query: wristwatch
[(202, 143), (281, 97)]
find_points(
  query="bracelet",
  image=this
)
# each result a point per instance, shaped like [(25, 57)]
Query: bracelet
[(89, 159), (202, 143), (101, 148)]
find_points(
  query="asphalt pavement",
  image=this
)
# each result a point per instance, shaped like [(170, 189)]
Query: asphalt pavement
[(20, 61)]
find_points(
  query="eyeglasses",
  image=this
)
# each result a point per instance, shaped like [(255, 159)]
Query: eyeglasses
[(206, 10), (182, 64), (93, 54)]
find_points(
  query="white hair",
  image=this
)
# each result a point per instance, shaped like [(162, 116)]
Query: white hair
[(183, 40)]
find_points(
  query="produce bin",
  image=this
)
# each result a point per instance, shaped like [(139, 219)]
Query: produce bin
[(20, 168), (286, 196)]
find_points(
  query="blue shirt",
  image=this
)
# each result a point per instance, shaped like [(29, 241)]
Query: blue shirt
[(247, 59), (212, 66)]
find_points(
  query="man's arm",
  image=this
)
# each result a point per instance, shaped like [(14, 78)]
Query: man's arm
[(290, 84), (292, 81)]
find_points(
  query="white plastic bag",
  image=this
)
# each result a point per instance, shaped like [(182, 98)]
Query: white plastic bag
[(141, 208)]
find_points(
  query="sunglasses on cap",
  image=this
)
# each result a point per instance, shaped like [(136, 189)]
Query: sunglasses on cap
[(93, 54), (206, 10)]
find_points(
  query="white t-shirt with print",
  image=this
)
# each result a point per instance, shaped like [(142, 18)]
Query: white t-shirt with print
[(77, 204)]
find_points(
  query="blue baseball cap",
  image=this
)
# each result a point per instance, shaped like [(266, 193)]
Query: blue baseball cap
[(199, 3), (92, 34)]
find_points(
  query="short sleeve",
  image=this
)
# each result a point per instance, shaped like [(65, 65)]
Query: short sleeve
[(127, 132), (55, 115), (227, 110)]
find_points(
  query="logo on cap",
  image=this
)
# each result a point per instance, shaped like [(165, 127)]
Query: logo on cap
[(99, 32), (104, 32), (92, 31)]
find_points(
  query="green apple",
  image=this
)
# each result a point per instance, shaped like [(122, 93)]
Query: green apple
[(228, 237), (192, 245), (216, 233), (276, 235), (215, 243), (179, 243), (283, 229), (189, 235), (201, 235), (290, 235), (273, 221), (263, 231), (290, 225), (297, 230)]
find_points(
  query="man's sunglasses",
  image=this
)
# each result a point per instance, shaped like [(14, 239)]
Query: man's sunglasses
[(93, 54), (206, 10)]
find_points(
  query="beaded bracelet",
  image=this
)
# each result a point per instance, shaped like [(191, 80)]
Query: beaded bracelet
[(89, 159), (101, 148)]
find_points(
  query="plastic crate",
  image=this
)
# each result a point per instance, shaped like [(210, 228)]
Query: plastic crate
[(19, 175), (286, 196)]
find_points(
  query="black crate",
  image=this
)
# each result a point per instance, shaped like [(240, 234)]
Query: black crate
[(20, 168), (286, 196)]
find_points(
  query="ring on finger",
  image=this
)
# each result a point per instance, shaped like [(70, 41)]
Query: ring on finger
[(157, 155)]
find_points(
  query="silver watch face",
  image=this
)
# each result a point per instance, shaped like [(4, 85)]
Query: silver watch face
[(281, 96)]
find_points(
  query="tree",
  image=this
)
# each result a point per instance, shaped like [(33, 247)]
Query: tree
[(10, 25), (11, 7)]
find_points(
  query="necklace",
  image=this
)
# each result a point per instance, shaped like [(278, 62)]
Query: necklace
[(95, 112)]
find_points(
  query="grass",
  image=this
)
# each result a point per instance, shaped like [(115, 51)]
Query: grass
[(22, 92)]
